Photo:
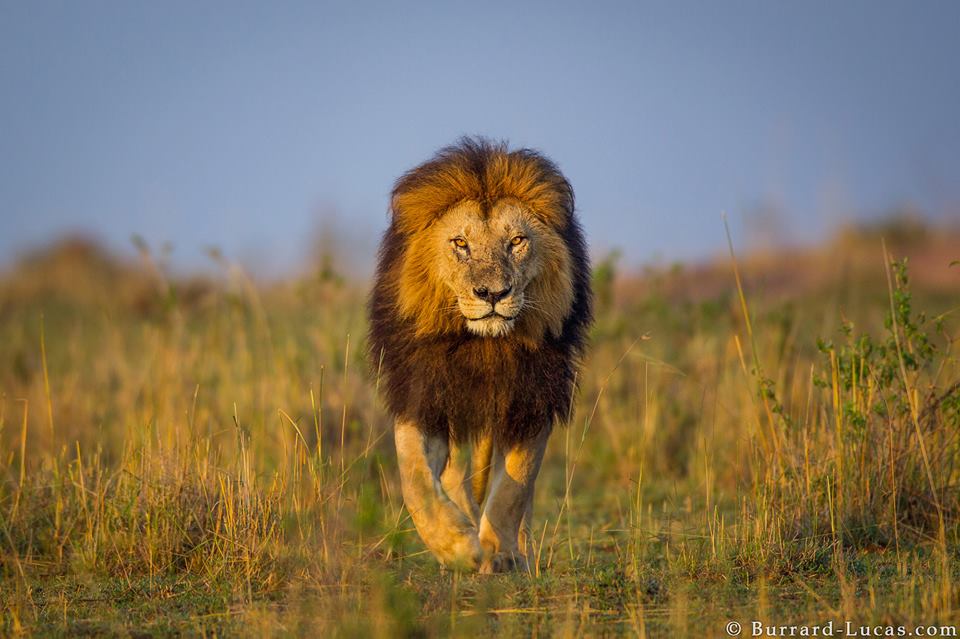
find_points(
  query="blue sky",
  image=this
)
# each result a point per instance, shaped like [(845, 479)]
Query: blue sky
[(246, 125)]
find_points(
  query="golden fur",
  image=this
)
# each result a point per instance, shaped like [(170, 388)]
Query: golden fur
[(508, 178)]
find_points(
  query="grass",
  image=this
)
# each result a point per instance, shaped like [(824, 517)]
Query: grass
[(190, 456)]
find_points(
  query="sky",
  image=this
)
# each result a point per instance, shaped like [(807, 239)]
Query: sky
[(254, 126)]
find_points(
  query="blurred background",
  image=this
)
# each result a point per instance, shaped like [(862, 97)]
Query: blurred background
[(266, 129)]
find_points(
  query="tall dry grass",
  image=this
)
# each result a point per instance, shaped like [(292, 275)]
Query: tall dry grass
[(209, 455)]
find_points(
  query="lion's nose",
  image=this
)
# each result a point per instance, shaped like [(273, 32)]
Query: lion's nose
[(493, 297)]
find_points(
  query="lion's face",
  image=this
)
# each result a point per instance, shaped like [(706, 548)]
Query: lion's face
[(485, 236), (488, 262)]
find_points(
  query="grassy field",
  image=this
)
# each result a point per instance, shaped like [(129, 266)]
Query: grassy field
[(208, 456)]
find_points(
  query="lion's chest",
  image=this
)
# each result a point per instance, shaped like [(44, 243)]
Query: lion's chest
[(482, 380), (467, 386), (492, 385)]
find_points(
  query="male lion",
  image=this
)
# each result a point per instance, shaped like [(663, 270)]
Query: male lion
[(478, 318)]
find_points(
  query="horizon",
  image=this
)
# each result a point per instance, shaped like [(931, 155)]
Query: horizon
[(902, 230)]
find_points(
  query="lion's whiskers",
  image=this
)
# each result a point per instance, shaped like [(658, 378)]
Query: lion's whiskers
[(537, 306)]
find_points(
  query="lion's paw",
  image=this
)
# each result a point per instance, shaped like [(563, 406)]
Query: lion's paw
[(463, 554), (503, 562)]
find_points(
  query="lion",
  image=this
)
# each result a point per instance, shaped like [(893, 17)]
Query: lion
[(478, 322)]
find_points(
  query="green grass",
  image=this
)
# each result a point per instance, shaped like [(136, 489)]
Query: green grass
[(209, 457)]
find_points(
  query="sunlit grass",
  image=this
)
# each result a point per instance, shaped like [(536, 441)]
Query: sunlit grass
[(191, 456)]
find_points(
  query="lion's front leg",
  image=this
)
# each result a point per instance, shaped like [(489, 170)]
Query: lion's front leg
[(444, 528), (456, 480), (511, 502)]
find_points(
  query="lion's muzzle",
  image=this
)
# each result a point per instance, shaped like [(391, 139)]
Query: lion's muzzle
[(491, 314)]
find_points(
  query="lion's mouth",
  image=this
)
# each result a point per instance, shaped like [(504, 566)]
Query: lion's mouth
[(493, 314), (491, 320), (493, 324)]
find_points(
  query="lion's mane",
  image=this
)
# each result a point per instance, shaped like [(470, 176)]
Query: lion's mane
[(430, 369)]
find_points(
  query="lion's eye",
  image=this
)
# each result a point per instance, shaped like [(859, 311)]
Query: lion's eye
[(459, 242), (518, 240)]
